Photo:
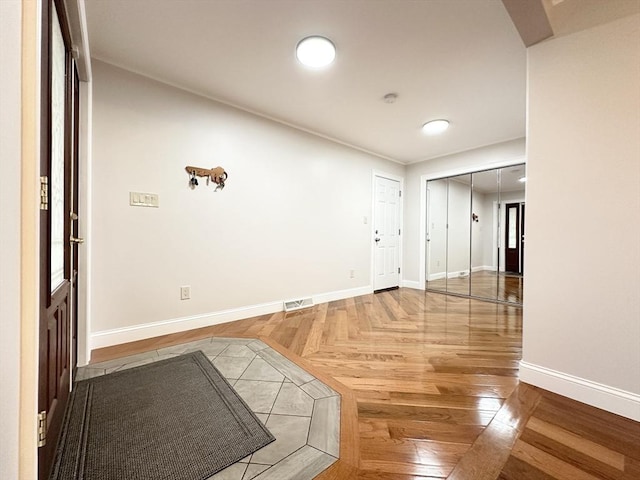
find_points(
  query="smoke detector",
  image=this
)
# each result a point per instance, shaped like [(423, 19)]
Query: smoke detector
[(390, 98)]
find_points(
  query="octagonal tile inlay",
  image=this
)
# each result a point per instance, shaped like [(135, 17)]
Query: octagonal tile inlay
[(299, 410)]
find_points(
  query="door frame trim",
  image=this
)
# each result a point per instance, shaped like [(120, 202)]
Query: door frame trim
[(422, 254), (381, 174), (80, 38), (29, 239)]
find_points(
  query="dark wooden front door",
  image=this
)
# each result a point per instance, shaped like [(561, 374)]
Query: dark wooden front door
[(58, 145), (514, 237)]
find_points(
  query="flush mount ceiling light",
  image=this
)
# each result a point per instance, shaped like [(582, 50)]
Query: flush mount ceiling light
[(434, 127), (315, 52)]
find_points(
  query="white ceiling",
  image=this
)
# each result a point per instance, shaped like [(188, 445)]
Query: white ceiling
[(462, 60)]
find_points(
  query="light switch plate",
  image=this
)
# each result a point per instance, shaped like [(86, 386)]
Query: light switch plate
[(138, 199)]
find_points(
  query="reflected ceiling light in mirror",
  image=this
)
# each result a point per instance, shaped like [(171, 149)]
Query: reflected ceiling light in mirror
[(435, 127), (522, 179), (315, 52)]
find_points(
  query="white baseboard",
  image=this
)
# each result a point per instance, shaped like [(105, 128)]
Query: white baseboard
[(483, 268), (460, 273), (595, 394), (133, 333), (441, 275), (116, 336), (413, 284), (342, 294)]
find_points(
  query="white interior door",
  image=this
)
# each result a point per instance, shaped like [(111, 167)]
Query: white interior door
[(427, 240), (386, 234)]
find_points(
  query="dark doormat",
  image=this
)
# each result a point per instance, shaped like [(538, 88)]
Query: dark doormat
[(175, 419)]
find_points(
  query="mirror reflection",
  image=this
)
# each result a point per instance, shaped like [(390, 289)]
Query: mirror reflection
[(475, 234), (458, 234), (511, 238), (437, 191), (484, 234)]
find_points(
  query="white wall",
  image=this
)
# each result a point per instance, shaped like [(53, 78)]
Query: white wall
[(289, 222), (498, 154), (10, 151), (582, 299)]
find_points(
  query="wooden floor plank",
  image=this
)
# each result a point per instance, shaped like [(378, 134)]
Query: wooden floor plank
[(577, 443), (604, 428), (548, 463), (565, 453), (516, 469)]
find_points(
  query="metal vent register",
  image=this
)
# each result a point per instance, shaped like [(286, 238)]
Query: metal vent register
[(291, 305)]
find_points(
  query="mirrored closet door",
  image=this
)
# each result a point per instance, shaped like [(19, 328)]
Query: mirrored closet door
[(475, 234)]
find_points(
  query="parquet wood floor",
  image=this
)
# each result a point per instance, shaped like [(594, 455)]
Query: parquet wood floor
[(430, 390)]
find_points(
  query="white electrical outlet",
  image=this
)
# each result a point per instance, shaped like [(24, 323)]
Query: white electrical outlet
[(185, 292)]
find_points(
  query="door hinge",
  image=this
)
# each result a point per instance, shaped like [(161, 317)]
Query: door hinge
[(400, 193), (398, 269), (44, 193), (42, 428), (398, 231)]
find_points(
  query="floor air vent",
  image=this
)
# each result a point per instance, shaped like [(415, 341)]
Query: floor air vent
[(291, 305)]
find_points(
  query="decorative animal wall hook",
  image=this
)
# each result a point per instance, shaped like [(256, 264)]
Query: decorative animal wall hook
[(217, 175)]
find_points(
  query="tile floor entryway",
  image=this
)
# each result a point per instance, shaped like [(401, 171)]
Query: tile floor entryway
[(299, 410)]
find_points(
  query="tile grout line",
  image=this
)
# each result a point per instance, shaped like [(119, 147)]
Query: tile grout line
[(310, 422), (276, 398)]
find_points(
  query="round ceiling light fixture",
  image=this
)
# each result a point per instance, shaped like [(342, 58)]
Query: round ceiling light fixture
[(315, 52), (434, 127)]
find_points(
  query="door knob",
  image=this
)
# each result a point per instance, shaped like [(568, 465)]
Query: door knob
[(73, 239), (377, 240)]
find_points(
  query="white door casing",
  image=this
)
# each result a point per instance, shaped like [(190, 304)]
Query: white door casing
[(386, 229)]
